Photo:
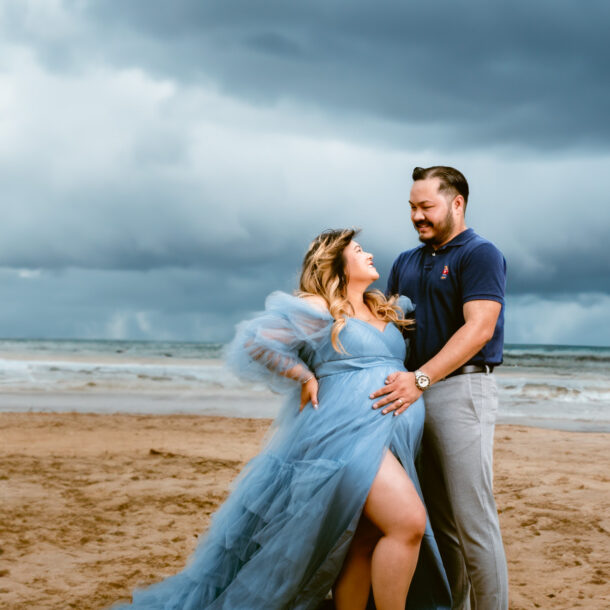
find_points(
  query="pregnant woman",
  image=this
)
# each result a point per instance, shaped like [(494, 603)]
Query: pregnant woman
[(333, 500)]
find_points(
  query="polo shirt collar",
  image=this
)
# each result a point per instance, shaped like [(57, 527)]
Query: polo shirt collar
[(458, 240)]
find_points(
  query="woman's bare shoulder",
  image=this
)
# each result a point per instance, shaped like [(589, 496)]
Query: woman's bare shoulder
[(315, 300)]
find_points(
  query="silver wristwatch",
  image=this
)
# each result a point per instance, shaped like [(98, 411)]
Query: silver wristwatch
[(422, 381)]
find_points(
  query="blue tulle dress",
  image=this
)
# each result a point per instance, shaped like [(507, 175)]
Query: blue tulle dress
[(280, 538)]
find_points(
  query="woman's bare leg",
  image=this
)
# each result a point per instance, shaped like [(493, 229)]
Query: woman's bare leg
[(394, 506), (353, 586), (386, 544)]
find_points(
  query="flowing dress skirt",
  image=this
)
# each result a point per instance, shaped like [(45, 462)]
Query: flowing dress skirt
[(280, 538)]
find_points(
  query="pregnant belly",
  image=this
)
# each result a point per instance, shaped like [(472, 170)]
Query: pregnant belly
[(372, 376), (345, 424), (346, 395)]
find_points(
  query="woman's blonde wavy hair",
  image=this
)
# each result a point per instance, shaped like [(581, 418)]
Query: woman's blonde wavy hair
[(323, 274)]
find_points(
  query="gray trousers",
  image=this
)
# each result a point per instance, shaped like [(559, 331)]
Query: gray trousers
[(457, 482)]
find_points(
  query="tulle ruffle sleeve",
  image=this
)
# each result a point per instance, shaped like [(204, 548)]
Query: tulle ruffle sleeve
[(272, 347), (405, 304), (408, 308)]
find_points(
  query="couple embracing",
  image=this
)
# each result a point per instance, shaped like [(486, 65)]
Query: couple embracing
[(334, 500)]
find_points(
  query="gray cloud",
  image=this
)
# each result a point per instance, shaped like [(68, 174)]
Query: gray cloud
[(170, 303), (165, 165), (569, 319), (235, 196), (191, 305), (520, 73)]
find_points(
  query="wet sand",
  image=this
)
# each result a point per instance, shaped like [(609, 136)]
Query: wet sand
[(93, 505)]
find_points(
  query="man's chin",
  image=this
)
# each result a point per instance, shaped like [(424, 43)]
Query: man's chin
[(431, 239), (434, 239), (427, 235)]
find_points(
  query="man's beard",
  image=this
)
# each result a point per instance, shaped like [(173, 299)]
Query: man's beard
[(443, 230)]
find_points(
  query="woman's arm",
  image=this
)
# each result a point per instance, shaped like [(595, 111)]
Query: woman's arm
[(270, 347)]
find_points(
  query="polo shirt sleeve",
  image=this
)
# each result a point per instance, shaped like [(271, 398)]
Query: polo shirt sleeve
[(483, 274)]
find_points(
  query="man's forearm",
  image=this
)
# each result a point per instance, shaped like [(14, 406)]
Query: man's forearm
[(401, 389), (468, 340)]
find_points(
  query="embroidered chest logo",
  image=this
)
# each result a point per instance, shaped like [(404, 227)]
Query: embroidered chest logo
[(445, 272)]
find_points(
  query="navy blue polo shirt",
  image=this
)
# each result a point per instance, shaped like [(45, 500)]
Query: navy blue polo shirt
[(439, 282)]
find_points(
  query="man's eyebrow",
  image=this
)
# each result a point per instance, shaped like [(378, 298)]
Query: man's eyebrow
[(419, 202)]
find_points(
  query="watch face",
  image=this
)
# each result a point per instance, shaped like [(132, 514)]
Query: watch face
[(423, 381)]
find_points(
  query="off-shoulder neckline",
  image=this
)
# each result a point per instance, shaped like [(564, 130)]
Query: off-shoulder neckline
[(325, 311)]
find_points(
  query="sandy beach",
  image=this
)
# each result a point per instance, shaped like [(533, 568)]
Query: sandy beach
[(93, 505)]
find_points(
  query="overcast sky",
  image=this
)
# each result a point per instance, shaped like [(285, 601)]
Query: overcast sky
[(163, 165)]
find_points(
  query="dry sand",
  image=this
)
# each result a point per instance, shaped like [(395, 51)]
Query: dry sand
[(92, 505)]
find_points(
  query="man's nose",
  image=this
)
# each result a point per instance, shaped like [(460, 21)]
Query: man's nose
[(417, 214)]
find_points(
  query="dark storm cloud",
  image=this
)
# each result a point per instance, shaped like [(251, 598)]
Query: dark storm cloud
[(197, 305), (566, 268), (173, 303), (527, 73), (144, 225), (165, 164)]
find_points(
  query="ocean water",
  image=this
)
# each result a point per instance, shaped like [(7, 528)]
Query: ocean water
[(551, 386), (564, 386)]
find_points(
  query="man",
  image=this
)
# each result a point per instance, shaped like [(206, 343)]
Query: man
[(456, 280)]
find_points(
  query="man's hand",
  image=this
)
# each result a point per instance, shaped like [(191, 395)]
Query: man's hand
[(399, 393), (309, 393)]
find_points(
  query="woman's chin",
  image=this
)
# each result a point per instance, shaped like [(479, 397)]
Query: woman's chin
[(367, 277)]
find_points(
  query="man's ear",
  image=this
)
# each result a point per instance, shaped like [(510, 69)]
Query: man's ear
[(459, 203)]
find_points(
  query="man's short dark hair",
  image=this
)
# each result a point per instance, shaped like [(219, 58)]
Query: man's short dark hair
[(451, 180)]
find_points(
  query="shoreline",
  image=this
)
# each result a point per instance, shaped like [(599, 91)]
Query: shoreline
[(95, 504), (214, 403)]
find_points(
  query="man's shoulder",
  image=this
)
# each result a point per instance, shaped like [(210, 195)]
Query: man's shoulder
[(479, 244)]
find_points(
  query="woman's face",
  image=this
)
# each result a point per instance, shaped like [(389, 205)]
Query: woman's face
[(359, 264)]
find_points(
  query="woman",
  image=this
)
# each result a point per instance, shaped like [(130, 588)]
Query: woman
[(333, 499)]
